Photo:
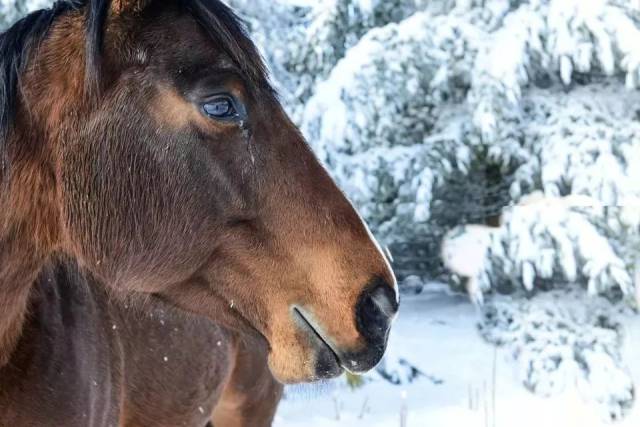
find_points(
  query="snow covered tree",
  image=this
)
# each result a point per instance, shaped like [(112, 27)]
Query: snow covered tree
[(449, 112), (11, 10), (519, 114), (385, 122), (330, 31), (585, 144)]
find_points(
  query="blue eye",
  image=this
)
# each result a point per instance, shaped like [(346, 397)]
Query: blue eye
[(222, 107)]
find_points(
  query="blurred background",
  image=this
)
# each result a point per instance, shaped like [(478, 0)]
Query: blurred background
[(494, 148)]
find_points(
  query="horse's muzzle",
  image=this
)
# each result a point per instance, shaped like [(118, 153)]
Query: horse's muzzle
[(375, 310)]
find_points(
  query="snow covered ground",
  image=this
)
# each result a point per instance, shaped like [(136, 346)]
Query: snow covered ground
[(436, 332)]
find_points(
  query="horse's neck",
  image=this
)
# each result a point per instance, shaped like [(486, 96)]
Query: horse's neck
[(21, 259), (17, 274), (29, 226)]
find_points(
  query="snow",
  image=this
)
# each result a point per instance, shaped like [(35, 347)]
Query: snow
[(569, 235), (436, 332), (10, 10), (464, 249)]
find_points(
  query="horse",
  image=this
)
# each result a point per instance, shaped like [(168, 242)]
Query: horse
[(147, 166), (172, 369)]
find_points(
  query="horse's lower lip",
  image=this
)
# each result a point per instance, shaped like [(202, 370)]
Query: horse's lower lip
[(335, 358)]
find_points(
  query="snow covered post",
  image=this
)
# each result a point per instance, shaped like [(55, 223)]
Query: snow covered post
[(636, 283), (404, 409)]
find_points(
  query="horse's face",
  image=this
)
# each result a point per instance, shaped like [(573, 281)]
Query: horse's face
[(191, 183)]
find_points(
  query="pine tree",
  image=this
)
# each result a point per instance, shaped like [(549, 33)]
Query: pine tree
[(520, 114), (456, 112), (11, 10)]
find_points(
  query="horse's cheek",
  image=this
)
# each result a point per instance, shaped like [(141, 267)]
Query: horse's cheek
[(123, 215), (95, 224), (83, 217)]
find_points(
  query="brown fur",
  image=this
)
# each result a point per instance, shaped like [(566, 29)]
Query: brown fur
[(133, 191), (85, 359)]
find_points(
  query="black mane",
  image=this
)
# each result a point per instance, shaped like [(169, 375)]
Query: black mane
[(217, 19), (15, 45)]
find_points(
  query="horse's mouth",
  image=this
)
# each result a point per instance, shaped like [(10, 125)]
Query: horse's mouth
[(328, 363)]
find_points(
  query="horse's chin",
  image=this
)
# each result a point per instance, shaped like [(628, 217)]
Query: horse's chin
[(302, 357), (309, 365)]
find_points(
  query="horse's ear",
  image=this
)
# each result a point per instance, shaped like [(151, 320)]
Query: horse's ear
[(122, 6)]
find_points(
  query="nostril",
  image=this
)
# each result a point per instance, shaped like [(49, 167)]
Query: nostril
[(375, 310), (385, 301)]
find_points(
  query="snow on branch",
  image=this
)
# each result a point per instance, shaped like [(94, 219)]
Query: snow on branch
[(546, 38)]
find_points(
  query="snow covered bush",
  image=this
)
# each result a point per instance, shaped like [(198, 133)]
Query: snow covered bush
[(561, 340), (464, 253), (546, 243), (539, 41), (384, 92)]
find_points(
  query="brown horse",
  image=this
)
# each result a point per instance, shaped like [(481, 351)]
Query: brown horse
[(145, 158), (86, 359)]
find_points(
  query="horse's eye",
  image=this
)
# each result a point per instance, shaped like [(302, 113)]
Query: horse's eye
[(221, 107)]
